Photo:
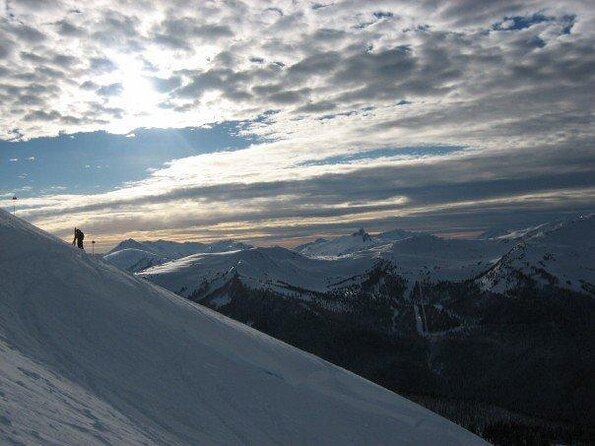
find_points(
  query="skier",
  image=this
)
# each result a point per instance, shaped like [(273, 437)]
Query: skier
[(79, 236)]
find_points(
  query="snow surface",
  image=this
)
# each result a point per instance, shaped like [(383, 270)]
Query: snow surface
[(134, 260), (271, 268), (92, 355), (133, 256), (562, 252), (433, 258), (339, 246)]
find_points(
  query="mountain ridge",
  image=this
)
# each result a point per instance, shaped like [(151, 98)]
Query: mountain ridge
[(134, 256), (414, 256)]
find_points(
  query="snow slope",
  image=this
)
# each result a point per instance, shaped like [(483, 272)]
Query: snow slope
[(561, 253), (433, 258), (133, 256), (264, 268), (338, 246), (134, 260), (350, 244), (91, 355), (176, 250)]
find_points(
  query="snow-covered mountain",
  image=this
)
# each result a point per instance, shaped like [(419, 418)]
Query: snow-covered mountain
[(133, 256), (419, 256), (560, 254), (349, 244), (394, 235), (134, 260), (427, 305), (274, 268), (92, 355), (338, 246), (433, 258)]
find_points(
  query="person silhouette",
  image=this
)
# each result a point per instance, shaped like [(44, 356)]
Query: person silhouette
[(79, 236)]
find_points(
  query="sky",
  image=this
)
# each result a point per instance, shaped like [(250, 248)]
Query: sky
[(277, 122)]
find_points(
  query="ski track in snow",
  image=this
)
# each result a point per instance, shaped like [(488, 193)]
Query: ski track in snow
[(91, 355)]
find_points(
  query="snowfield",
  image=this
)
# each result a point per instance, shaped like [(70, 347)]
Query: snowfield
[(91, 355)]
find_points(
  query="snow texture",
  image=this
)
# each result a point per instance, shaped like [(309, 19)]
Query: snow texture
[(92, 355)]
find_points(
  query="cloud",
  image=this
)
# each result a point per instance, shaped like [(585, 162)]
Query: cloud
[(67, 28), (319, 88), (165, 85), (101, 65), (367, 188), (318, 57), (182, 32), (110, 90), (27, 33)]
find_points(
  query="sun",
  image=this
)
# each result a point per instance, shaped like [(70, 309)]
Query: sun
[(138, 93)]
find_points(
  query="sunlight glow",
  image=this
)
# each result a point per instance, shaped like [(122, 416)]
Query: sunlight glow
[(138, 94)]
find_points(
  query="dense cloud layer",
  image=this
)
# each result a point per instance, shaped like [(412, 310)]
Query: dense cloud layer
[(510, 83)]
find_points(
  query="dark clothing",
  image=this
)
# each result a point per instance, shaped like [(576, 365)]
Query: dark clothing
[(79, 236)]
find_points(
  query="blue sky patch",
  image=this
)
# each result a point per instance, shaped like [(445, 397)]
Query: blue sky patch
[(99, 161), (568, 21), (385, 153), (520, 22)]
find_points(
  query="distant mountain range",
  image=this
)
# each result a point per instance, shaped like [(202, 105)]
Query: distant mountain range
[(133, 256), (350, 244), (503, 322), (557, 253)]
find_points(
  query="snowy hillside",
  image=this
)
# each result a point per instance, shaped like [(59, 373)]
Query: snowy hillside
[(337, 247), (428, 257), (133, 256), (560, 254), (134, 260), (273, 268), (91, 355), (349, 244), (415, 257)]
